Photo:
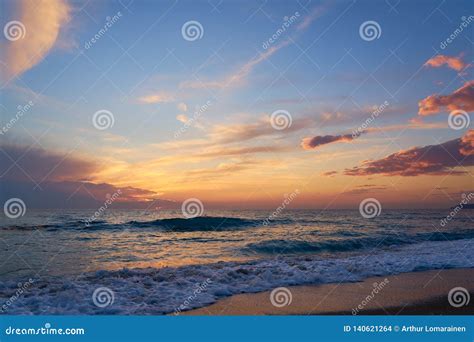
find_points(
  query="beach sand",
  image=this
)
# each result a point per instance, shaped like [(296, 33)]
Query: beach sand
[(416, 293)]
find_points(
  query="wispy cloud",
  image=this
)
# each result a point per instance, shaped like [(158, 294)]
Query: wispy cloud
[(308, 19), (365, 188), (161, 97), (238, 77), (238, 133)]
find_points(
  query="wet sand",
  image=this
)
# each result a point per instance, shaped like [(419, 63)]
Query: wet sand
[(416, 293)]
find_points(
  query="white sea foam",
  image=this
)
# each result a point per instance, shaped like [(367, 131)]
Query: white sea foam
[(159, 291)]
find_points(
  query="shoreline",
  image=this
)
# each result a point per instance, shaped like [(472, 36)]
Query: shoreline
[(413, 293)]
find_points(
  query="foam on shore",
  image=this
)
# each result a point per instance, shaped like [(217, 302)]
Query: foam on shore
[(166, 290)]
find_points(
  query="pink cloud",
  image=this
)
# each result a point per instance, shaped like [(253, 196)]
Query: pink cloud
[(440, 159), (462, 98), (455, 63)]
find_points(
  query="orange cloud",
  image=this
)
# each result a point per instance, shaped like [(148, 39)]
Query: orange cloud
[(462, 98), (455, 63), (42, 21), (182, 118)]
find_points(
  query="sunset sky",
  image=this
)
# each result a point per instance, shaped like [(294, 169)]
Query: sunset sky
[(193, 117)]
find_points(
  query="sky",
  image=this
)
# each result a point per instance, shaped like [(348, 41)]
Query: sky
[(236, 103)]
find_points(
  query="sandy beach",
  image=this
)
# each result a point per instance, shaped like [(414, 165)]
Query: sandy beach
[(416, 293)]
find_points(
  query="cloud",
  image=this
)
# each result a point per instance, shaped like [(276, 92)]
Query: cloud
[(467, 144), (329, 173), (462, 98), (314, 142), (222, 170), (18, 162), (157, 98), (46, 179), (440, 159), (311, 143), (315, 13), (241, 151), (182, 107), (243, 132), (182, 118), (239, 76), (43, 21), (455, 63), (364, 189), (79, 195), (236, 133)]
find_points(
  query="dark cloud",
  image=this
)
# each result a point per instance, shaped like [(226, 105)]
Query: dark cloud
[(18, 162), (45, 179), (79, 195), (440, 159), (314, 142), (329, 173)]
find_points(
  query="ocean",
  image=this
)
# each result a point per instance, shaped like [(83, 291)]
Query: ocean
[(153, 262)]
